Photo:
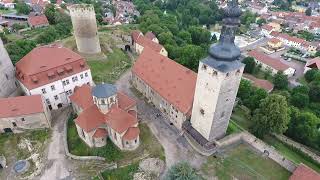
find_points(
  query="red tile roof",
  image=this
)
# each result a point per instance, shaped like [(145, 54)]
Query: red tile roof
[(125, 102), (145, 42), (135, 34), (260, 83), (33, 69), (21, 105), (150, 35), (38, 20), (82, 96), (131, 134), (172, 81), (314, 63), (100, 133), (274, 40), (265, 59), (303, 172), (119, 120), (90, 119), (267, 27)]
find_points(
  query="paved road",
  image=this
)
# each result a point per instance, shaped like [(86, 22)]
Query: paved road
[(57, 165), (176, 147), (256, 44)]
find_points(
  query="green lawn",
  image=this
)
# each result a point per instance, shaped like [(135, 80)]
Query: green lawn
[(6, 11), (291, 153), (233, 128), (124, 173), (111, 69), (242, 162), (148, 144), (241, 118)]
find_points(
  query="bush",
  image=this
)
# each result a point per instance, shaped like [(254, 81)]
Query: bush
[(311, 75), (182, 171)]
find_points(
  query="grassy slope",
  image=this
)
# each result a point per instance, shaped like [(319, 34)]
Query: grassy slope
[(111, 69), (124, 173), (243, 162)]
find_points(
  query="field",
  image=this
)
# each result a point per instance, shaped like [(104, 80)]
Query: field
[(148, 145), (242, 162), (110, 70), (124, 173), (13, 147)]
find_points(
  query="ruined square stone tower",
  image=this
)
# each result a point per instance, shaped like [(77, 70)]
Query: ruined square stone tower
[(218, 79), (8, 85)]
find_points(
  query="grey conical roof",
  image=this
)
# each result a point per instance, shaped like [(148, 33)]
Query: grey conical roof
[(104, 90)]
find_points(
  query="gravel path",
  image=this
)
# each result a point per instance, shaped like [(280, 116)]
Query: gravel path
[(57, 165)]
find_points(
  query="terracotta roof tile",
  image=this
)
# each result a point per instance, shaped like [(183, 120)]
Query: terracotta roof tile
[(42, 60), (38, 20), (100, 133), (90, 119), (267, 27), (172, 81), (125, 102), (303, 172), (274, 40), (145, 42), (21, 105), (119, 120), (150, 35), (135, 34), (82, 96), (265, 59), (260, 83), (314, 63), (131, 134)]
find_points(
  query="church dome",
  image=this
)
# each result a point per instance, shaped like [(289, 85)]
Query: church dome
[(104, 90)]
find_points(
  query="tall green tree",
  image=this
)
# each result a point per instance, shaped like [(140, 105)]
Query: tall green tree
[(250, 64), (281, 81), (311, 75), (303, 128), (51, 13), (255, 98), (272, 116), (309, 11), (19, 48), (22, 8), (245, 89)]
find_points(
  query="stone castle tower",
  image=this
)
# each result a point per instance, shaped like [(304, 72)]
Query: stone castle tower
[(85, 28), (218, 80), (7, 74)]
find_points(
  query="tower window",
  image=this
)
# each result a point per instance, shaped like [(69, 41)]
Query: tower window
[(202, 111), (222, 115), (215, 73), (227, 75), (238, 71)]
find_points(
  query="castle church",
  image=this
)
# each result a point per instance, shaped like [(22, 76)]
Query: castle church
[(198, 104)]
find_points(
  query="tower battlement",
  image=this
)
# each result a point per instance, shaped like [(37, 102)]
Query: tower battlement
[(85, 28)]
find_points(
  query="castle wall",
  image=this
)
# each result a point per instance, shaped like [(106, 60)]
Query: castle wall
[(85, 28), (7, 74)]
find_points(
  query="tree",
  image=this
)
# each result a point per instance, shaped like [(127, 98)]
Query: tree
[(255, 99), (22, 8), (50, 13), (261, 21), (182, 171), (250, 64), (281, 81), (19, 48), (190, 56), (317, 54), (300, 100), (272, 116), (48, 36), (309, 11), (303, 128), (311, 74), (166, 38), (185, 36), (245, 89), (301, 89), (314, 93)]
